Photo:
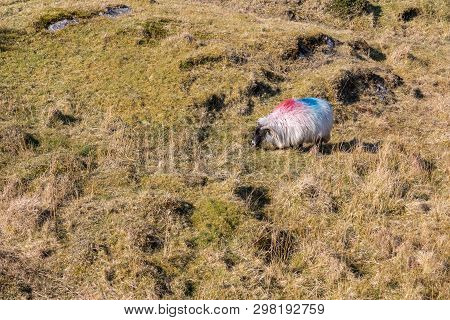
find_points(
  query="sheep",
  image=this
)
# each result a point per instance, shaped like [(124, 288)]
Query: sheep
[(294, 122)]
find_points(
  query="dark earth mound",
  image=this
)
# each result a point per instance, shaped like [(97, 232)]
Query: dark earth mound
[(361, 49), (261, 89), (350, 86), (276, 244), (418, 94), (409, 14), (150, 242), (8, 38), (14, 139), (306, 46), (57, 116), (256, 199)]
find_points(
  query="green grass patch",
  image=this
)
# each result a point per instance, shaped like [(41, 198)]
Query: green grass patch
[(191, 63), (348, 8), (87, 150), (216, 221), (156, 29), (8, 37)]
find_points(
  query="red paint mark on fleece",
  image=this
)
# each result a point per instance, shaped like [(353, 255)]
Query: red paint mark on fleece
[(288, 105)]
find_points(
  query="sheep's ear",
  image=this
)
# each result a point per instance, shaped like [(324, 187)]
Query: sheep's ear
[(266, 129)]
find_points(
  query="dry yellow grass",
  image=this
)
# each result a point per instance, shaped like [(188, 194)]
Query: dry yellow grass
[(126, 171)]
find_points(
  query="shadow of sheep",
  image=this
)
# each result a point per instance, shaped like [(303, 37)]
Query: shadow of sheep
[(345, 146)]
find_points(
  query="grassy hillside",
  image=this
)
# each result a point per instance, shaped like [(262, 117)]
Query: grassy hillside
[(125, 164)]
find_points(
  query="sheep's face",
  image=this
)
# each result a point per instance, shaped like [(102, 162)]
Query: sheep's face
[(263, 138)]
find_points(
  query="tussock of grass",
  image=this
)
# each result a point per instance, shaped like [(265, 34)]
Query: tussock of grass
[(348, 8), (54, 15), (216, 221), (156, 29), (275, 245), (14, 139), (8, 38), (191, 63), (56, 116)]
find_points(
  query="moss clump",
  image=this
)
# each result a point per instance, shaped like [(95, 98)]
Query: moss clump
[(87, 150), (348, 8), (8, 38), (156, 29), (191, 63), (215, 220), (298, 263)]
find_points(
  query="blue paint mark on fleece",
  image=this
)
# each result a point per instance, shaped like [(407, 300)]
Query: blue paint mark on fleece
[(314, 103)]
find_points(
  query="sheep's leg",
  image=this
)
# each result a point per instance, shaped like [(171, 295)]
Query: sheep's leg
[(314, 149), (323, 140), (298, 146), (317, 143), (321, 143)]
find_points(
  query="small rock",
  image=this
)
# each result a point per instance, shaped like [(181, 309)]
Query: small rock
[(61, 24), (112, 12), (306, 46), (330, 42)]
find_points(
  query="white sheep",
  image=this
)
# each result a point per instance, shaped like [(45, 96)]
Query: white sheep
[(294, 122)]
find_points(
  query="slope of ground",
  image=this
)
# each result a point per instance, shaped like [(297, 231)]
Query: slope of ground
[(125, 164)]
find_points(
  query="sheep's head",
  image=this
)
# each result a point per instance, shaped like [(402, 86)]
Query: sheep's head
[(264, 137)]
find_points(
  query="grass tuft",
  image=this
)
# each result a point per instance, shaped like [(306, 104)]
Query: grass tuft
[(216, 221), (348, 8), (57, 14), (156, 29)]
